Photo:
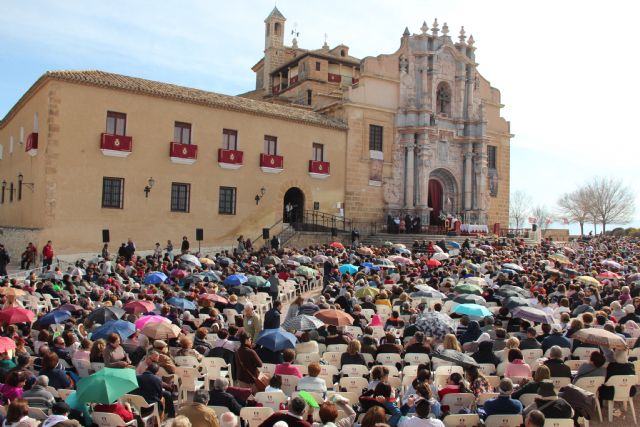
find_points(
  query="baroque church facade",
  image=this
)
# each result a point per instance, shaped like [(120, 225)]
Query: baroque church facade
[(425, 136)]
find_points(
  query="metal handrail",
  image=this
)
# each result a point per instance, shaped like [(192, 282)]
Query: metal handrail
[(270, 228)]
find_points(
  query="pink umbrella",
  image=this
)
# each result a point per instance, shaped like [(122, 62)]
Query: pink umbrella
[(150, 319), (400, 260), (433, 263), (608, 275), (139, 307), (179, 274)]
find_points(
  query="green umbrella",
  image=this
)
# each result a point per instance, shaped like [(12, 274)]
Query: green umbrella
[(468, 288), (306, 271), (367, 291), (256, 281), (107, 385)]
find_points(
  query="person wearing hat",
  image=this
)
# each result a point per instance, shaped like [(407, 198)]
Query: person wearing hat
[(503, 404), (549, 403)]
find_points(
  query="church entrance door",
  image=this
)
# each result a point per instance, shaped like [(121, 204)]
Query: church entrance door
[(435, 201), (293, 207)]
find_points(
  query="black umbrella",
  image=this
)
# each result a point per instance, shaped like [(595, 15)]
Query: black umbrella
[(470, 299), (104, 314), (515, 301), (456, 357), (240, 290)]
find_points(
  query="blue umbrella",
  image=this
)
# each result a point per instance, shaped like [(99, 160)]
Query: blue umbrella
[(276, 339), (473, 310), (155, 278), (121, 327), (211, 275), (453, 245), (370, 266), (181, 303), (55, 317), (235, 280), (508, 271), (348, 268)]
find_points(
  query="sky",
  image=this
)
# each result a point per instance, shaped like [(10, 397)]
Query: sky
[(566, 69)]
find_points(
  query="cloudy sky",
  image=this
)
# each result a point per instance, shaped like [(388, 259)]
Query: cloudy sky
[(567, 69)]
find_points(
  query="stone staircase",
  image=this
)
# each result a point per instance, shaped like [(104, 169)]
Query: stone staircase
[(408, 239)]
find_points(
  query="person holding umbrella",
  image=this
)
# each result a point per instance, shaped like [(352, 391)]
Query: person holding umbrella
[(114, 355)]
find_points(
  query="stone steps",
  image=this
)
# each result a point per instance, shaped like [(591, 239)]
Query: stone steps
[(408, 239)]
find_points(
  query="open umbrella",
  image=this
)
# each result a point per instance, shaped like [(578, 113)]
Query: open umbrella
[(370, 266), (608, 275), (107, 385), (440, 256), (14, 315), (161, 331), (600, 337), (306, 271), (515, 301), (560, 258), (456, 357), (206, 261), (224, 261), (470, 299), (512, 266), (533, 314), (302, 259), (478, 251), (337, 245), (453, 245), (235, 280), (367, 291), (182, 303), (403, 251), (6, 344), (428, 294), (141, 322), (72, 308), (155, 278), (612, 264), (438, 249), (191, 259), (398, 259), (302, 322), (383, 262), (276, 339), (467, 288), (435, 324), (272, 259), (320, 258), (215, 298), (256, 281), (240, 290), (364, 251), (139, 307), (332, 316), (588, 280), (179, 273), (54, 317), (433, 263), (121, 327), (292, 263), (104, 314), (522, 292), (348, 269), (77, 271), (211, 275), (473, 310), (478, 281)]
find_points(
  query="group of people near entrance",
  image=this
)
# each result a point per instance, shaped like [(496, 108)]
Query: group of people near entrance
[(390, 343)]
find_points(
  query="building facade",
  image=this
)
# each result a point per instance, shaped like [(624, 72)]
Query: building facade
[(416, 132)]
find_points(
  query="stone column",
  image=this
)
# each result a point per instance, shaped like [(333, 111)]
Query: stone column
[(422, 184), (409, 175), (468, 159), (481, 181)]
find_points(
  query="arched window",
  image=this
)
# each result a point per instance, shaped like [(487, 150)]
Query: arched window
[(443, 96), (343, 53), (276, 29)]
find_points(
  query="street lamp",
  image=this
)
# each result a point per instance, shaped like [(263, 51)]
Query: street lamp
[(149, 186), (261, 195)]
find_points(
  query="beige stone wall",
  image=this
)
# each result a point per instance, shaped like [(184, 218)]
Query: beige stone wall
[(15, 240), (69, 169), (305, 239), (557, 234)]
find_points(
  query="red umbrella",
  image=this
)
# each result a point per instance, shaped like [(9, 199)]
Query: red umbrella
[(337, 245), (433, 263), (331, 316), (139, 307), (214, 298), (608, 275), (6, 344), (16, 315)]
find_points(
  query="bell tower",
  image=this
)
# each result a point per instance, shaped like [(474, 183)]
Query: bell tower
[(274, 54)]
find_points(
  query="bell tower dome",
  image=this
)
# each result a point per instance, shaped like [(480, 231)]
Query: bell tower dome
[(274, 29)]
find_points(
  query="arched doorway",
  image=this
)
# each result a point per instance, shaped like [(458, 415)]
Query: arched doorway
[(293, 205), (443, 195)]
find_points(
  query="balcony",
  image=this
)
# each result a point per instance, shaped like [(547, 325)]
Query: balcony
[(335, 78), (230, 159), (184, 154), (271, 164), (293, 80), (275, 89), (116, 145), (319, 170), (31, 147)]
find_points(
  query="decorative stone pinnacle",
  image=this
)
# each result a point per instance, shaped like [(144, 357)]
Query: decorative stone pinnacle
[(406, 31), (294, 43), (462, 37), (445, 29), (434, 27), (424, 27), (471, 40)]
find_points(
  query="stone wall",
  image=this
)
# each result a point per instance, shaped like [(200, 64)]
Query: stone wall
[(305, 239), (15, 240)]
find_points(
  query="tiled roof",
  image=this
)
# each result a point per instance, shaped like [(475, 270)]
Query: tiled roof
[(183, 94)]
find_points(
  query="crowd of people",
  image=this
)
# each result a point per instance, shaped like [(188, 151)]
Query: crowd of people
[(325, 335)]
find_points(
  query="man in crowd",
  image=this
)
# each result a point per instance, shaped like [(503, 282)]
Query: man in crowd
[(251, 322), (503, 404), (198, 412), (272, 317), (47, 254)]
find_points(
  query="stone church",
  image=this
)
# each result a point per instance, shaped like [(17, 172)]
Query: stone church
[(425, 134)]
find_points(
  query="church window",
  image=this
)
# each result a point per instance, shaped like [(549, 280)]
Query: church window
[(443, 96), (276, 29), (343, 53), (492, 156), (375, 137)]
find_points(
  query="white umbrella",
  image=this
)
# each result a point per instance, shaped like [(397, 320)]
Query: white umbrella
[(437, 248), (191, 259), (440, 256)]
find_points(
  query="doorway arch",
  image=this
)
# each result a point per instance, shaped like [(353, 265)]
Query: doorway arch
[(443, 195), (293, 205)]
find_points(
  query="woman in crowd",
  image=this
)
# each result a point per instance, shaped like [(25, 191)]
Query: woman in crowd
[(541, 374), (593, 368), (516, 366), (353, 355), (247, 364), (477, 382)]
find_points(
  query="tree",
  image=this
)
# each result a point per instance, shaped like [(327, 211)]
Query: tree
[(519, 205), (576, 206), (611, 201), (542, 213)]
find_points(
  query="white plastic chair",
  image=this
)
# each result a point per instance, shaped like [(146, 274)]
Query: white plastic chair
[(559, 382), (461, 420), (592, 384), (504, 421), (254, 416), (528, 398), (621, 385), (107, 419), (354, 370), (458, 401), (416, 358), (558, 422), (340, 348), (271, 399), (389, 358), (140, 403), (289, 383), (353, 384)]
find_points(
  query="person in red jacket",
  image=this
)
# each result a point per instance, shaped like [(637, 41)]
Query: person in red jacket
[(47, 254)]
